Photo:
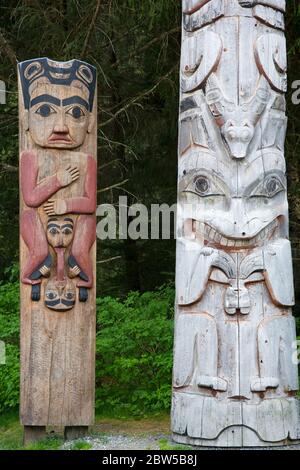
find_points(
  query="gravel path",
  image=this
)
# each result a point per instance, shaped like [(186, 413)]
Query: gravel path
[(118, 442), (125, 442)]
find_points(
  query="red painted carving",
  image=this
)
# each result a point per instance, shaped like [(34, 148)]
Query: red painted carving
[(34, 236), (35, 194)]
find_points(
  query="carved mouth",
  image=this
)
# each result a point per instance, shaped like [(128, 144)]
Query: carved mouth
[(60, 139), (213, 237)]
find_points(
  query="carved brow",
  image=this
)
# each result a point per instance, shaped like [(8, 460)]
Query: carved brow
[(53, 225), (75, 100), (45, 99), (68, 220), (67, 226)]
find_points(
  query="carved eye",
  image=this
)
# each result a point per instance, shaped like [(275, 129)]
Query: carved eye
[(271, 186), (45, 110), (246, 135), (202, 185), (53, 231), (67, 231), (231, 135), (76, 112), (70, 295), (51, 295)]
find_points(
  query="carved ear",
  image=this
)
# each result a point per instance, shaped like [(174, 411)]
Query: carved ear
[(91, 123), (26, 120)]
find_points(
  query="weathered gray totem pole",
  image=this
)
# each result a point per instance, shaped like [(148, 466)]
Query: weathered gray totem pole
[(234, 378), (58, 178)]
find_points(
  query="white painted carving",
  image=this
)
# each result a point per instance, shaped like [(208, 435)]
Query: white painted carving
[(234, 382)]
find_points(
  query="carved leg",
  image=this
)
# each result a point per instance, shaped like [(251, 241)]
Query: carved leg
[(196, 353), (38, 261), (33, 434), (275, 342), (84, 238)]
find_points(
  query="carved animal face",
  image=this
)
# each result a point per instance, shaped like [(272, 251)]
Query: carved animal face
[(60, 231), (60, 295), (58, 116), (234, 210), (238, 137)]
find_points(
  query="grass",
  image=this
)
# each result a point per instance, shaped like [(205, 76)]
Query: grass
[(164, 444), (81, 445), (11, 432), (50, 443)]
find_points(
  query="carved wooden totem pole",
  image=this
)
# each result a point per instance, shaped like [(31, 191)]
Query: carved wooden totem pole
[(58, 178), (234, 379)]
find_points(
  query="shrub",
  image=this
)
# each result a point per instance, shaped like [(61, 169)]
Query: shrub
[(9, 333), (134, 351)]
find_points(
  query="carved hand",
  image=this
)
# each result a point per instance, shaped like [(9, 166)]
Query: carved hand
[(73, 272), (68, 175), (55, 207)]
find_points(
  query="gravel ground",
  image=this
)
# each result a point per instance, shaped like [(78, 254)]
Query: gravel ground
[(123, 442), (118, 442)]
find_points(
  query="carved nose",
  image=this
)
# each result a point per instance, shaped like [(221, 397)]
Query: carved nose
[(60, 126), (61, 129), (238, 139)]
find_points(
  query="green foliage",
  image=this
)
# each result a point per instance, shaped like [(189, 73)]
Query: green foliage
[(11, 432), (81, 445), (9, 334), (134, 352), (164, 444), (49, 443)]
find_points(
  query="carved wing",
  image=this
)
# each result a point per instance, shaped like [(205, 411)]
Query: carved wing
[(201, 55), (194, 265), (279, 272), (270, 54)]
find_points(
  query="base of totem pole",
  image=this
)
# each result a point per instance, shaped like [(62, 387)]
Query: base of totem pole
[(210, 445), (33, 434), (75, 432), (207, 422), (37, 433)]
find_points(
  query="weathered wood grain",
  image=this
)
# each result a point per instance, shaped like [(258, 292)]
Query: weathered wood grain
[(58, 153), (234, 380)]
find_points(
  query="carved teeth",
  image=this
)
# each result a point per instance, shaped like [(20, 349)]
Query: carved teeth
[(224, 241), (214, 237)]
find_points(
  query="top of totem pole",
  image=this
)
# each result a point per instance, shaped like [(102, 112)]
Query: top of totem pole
[(58, 99), (72, 73)]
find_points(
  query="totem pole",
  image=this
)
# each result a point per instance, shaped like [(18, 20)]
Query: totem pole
[(58, 178), (234, 382)]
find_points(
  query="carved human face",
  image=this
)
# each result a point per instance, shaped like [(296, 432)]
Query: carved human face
[(58, 116), (60, 295), (234, 210), (60, 231)]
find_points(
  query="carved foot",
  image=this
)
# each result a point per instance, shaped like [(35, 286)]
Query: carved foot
[(83, 294), (260, 384), (75, 269), (36, 292), (42, 270), (216, 383)]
